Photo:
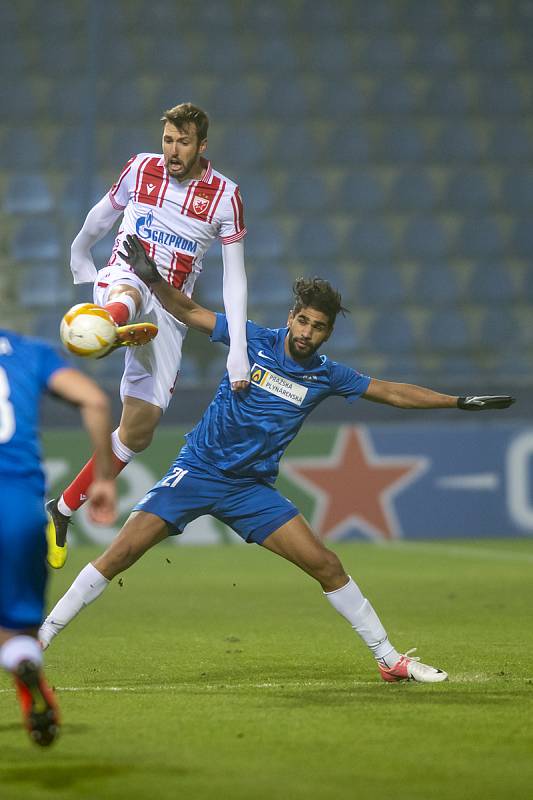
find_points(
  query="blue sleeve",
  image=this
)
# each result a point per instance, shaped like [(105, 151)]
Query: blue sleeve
[(49, 361), (347, 382), (220, 331)]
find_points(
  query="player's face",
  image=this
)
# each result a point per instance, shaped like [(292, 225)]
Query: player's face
[(182, 151), (308, 330)]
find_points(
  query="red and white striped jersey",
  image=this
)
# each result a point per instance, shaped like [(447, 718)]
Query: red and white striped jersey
[(176, 222)]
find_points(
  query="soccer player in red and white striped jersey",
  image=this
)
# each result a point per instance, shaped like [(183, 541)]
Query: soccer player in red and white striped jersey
[(177, 205)]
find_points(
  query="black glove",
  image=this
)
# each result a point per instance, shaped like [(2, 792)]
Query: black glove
[(474, 403), (138, 259)]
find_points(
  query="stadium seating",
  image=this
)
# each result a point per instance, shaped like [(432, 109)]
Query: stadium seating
[(384, 145)]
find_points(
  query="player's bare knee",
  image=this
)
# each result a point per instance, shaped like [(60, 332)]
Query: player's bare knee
[(329, 572), (125, 289)]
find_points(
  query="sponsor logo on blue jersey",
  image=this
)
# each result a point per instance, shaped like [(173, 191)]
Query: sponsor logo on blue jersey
[(145, 230), (278, 385)]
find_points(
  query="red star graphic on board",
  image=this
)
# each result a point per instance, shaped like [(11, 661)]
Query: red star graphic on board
[(354, 486)]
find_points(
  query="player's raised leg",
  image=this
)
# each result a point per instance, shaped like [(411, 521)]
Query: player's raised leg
[(141, 531), (296, 542)]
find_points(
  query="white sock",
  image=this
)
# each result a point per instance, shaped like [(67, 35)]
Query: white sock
[(350, 602), (120, 450), (63, 508), (87, 587), (20, 648)]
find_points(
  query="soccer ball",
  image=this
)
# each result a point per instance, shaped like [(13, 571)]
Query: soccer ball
[(88, 330)]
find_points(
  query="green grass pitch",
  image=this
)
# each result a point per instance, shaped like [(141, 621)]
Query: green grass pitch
[(221, 672)]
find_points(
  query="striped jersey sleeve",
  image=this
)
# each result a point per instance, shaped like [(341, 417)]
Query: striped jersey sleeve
[(119, 194), (232, 228)]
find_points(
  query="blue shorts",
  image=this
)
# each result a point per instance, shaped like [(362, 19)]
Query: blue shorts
[(192, 488), (22, 555)]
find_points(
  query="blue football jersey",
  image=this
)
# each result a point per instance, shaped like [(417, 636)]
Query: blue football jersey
[(248, 432), (26, 366)]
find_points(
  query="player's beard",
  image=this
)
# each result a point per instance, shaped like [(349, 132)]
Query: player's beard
[(300, 354), (186, 167)]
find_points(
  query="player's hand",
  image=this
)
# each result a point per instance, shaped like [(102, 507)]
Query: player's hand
[(238, 371), (102, 505), (139, 260), (482, 402)]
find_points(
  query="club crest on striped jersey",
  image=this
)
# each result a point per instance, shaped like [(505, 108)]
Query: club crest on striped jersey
[(200, 204), (276, 384)]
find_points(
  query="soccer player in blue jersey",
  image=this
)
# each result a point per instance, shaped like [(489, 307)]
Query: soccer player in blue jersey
[(230, 461), (28, 368)]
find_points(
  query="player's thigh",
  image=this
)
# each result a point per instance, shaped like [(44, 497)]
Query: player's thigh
[(112, 280), (22, 556), (254, 510), (298, 543), (151, 371), (186, 492)]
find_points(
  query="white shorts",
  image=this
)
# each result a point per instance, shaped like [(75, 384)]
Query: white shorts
[(150, 371)]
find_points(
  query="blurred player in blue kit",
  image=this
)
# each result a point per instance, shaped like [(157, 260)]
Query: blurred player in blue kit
[(230, 461), (28, 368)]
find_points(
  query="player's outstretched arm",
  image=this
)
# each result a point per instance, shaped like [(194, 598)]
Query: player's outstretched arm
[(407, 395), (235, 292), (76, 388), (175, 302), (98, 222)]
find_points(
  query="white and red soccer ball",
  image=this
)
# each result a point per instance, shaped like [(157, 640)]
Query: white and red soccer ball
[(88, 330)]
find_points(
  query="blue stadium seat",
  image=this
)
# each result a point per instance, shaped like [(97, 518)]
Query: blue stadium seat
[(287, 97), (509, 141), (14, 60), (381, 51), (500, 329), (28, 194), (392, 333), (65, 57), (432, 53), (402, 142), (46, 325), (414, 190), (353, 144), (488, 52), (517, 191), (126, 141), (189, 371), (74, 200), (456, 141), (241, 103), (329, 56), (102, 249), (447, 330), (422, 16), (521, 242), (45, 284), (66, 101), (289, 140), (266, 239), (307, 192), (436, 284), (426, 237), (346, 339), (37, 238), (359, 190), (123, 101), (491, 283), (381, 285), (320, 17), (446, 96), (257, 192), (528, 286), (497, 96), (479, 237), (370, 17), (270, 284), (275, 55), (265, 18), (343, 99), (241, 147), (22, 147), (371, 240), (315, 239), (393, 95), (468, 190)]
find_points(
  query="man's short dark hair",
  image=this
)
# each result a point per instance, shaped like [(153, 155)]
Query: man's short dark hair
[(318, 294), (186, 114)]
